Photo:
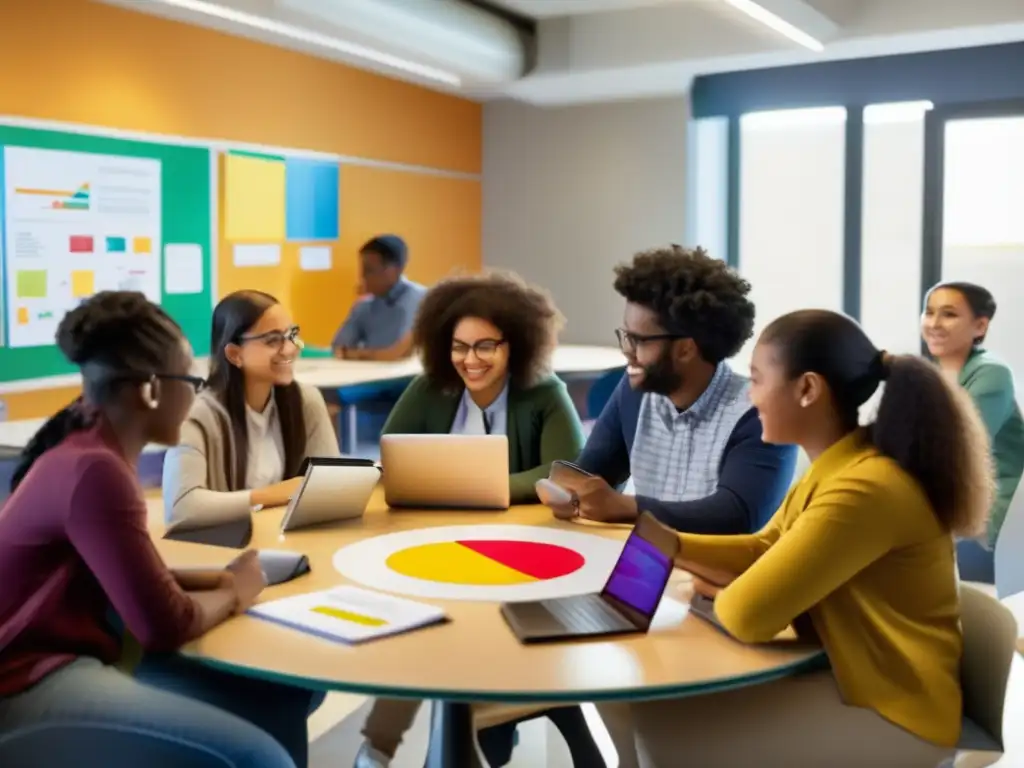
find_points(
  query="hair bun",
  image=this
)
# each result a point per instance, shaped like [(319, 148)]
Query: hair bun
[(93, 325)]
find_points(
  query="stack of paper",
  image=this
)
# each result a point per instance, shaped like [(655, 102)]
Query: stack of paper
[(349, 614)]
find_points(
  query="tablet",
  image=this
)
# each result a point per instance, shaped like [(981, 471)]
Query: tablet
[(332, 489)]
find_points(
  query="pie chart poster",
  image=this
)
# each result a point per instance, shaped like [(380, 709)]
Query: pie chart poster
[(494, 563)]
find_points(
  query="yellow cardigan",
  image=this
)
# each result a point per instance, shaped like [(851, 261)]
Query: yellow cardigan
[(855, 546)]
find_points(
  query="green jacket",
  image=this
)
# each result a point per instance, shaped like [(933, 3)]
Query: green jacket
[(989, 382), (542, 426)]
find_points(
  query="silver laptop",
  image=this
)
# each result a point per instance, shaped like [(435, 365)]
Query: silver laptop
[(332, 489), (445, 471)]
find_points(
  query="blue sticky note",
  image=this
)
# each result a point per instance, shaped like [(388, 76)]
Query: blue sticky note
[(311, 203)]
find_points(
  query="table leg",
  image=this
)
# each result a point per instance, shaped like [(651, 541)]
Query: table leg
[(452, 739), (350, 425)]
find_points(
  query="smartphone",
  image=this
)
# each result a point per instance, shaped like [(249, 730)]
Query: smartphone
[(564, 472)]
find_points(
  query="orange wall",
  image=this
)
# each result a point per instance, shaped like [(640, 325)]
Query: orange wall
[(85, 62)]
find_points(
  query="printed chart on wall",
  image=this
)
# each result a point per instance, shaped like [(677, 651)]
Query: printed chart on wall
[(75, 223), (509, 563)]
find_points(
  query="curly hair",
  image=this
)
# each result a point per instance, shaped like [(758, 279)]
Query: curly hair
[(692, 294), (525, 315)]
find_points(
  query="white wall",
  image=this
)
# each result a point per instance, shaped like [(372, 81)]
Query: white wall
[(568, 193)]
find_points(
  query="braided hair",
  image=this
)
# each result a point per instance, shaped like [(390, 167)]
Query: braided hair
[(106, 336)]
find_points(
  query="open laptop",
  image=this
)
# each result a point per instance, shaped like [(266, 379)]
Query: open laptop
[(445, 471), (332, 489), (626, 604)]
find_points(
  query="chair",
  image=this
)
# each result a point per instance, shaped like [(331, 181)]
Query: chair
[(1009, 564), (990, 638), (601, 392)]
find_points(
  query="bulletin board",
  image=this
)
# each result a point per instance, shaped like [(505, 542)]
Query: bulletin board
[(83, 213)]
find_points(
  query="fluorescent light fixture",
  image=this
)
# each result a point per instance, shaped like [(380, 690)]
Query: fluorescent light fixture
[(793, 118), (777, 23), (315, 38), (896, 112)]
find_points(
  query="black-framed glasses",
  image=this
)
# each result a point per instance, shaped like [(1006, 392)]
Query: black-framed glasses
[(275, 339), (629, 341), (484, 349), (198, 383)]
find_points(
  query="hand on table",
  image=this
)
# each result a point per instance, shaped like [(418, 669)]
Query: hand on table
[(705, 581), (203, 580), (594, 499), (247, 578)]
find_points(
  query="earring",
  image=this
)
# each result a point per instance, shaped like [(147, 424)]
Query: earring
[(147, 395), (804, 402)]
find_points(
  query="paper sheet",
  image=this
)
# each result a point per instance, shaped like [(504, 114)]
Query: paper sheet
[(268, 255), (183, 268), (315, 258)]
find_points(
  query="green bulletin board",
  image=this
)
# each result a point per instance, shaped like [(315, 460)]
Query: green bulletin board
[(186, 219)]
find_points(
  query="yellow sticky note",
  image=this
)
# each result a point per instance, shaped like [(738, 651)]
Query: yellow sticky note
[(22, 315), (83, 283), (142, 245), (254, 198)]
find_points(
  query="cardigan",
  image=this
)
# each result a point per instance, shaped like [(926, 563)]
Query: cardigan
[(753, 476), (989, 382), (857, 548), (542, 426), (199, 485)]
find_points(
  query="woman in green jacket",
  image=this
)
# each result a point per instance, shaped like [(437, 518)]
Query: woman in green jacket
[(954, 325), (486, 343)]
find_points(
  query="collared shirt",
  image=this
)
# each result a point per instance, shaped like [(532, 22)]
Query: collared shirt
[(377, 322), (676, 454), (471, 419), (265, 459)]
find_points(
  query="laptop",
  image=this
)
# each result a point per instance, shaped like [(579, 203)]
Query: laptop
[(332, 489), (445, 471), (627, 603)]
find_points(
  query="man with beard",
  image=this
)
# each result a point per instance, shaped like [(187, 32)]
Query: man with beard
[(680, 422)]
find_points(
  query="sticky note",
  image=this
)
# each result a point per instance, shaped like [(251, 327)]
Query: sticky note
[(116, 245), (81, 244), (83, 283), (31, 284), (142, 245), (254, 198), (22, 315)]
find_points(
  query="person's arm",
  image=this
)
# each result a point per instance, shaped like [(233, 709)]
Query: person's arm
[(185, 490), (752, 481), (605, 453), (991, 389), (846, 528), (407, 415), (347, 339), (321, 440), (561, 437), (400, 350), (107, 527)]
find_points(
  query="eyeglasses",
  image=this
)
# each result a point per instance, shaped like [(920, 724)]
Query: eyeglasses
[(276, 339), (198, 383), (629, 341), (483, 349)]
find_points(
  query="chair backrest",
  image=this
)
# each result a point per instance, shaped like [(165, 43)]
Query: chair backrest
[(1009, 550), (601, 392), (803, 463), (990, 639)]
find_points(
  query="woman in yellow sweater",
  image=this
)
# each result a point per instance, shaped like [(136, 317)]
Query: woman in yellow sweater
[(861, 552)]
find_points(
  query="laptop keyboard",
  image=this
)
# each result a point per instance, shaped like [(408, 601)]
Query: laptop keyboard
[(586, 614)]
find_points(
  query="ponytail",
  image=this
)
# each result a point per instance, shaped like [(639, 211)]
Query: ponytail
[(932, 430), (72, 418)]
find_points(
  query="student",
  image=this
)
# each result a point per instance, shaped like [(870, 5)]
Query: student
[(681, 422), (954, 325), (486, 342), (74, 546), (245, 440), (379, 327), (861, 552)]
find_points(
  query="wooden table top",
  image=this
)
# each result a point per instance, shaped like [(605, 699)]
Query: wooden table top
[(475, 656)]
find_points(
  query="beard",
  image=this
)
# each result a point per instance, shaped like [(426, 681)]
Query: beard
[(661, 377)]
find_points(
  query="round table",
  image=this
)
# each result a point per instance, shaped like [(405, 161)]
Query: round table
[(475, 657)]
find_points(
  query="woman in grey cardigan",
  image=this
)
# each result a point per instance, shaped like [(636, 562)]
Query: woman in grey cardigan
[(246, 436)]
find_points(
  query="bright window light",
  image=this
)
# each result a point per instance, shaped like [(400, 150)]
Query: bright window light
[(315, 38), (793, 118), (896, 112), (777, 23)]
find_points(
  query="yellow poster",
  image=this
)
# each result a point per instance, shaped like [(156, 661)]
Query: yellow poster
[(254, 198)]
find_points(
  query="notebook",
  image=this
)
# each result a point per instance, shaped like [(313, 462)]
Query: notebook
[(349, 614)]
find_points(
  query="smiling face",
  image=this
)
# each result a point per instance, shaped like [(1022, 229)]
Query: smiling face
[(266, 353), (480, 354), (948, 325), (653, 361)]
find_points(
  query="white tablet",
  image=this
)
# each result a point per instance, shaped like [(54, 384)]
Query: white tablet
[(332, 489)]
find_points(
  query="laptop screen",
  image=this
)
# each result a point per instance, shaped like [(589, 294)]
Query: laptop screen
[(639, 577)]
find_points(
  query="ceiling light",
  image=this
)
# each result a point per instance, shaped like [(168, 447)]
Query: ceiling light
[(315, 38), (777, 23)]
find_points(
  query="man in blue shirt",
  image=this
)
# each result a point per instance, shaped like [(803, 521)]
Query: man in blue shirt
[(379, 327), (680, 423)]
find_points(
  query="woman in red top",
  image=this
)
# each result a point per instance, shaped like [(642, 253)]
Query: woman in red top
[(75, 552)]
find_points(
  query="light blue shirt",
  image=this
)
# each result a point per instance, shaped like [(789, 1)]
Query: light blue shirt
[(469, 419), (377, 322)]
